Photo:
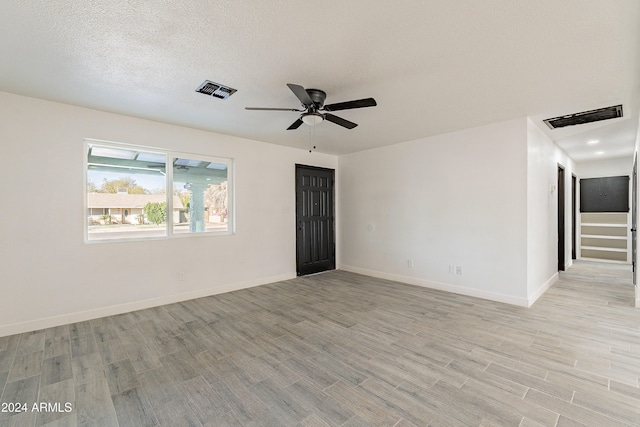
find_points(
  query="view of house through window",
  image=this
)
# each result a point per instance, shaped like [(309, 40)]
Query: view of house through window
[(127, 194)]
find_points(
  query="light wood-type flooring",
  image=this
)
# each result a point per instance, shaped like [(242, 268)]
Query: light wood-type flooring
[(341, 349)]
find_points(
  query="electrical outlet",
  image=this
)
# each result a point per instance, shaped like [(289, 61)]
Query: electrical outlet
[(181, 276), (458, 270), (410, 263)]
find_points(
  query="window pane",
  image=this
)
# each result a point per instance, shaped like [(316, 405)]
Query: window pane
[(115, 153), (126, 193), (200, 196)]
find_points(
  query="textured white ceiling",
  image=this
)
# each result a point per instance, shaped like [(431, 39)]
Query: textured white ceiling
[(432, 66)]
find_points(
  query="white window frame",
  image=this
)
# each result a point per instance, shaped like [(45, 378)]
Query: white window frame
[(170, 157)]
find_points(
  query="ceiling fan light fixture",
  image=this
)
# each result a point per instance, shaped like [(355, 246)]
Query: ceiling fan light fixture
[(312, 119)]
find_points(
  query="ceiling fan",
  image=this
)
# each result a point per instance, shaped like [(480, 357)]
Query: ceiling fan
[(313, 111)]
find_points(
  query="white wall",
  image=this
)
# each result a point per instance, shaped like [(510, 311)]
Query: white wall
[(604, 167), (50, 277), (456, 199), (542, 207)]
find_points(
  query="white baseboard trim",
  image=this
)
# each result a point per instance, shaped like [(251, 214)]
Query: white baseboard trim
[(542, 289), (81, 316), (477, 293)]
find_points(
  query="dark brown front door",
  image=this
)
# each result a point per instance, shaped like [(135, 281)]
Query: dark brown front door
[(315, 232)]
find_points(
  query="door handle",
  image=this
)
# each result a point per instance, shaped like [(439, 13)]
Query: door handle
[(633, 230)]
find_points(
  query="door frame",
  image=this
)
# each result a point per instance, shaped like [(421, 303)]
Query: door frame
[(574, 219), (561, 219)]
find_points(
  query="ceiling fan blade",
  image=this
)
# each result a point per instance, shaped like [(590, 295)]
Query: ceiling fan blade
[(301, 93), (271, 109), (358, 103), (339, 121), (295, 125)]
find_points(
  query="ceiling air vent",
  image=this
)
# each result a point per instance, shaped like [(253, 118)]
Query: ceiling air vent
[(215, 89), (585, 117)]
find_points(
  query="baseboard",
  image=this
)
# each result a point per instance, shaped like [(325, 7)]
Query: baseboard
[(477, 293), (81, 316), (542, 289)]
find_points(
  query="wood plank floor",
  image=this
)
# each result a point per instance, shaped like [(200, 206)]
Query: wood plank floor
[(340, 349)]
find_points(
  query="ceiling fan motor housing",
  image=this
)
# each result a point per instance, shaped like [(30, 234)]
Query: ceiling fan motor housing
[(317, 96)]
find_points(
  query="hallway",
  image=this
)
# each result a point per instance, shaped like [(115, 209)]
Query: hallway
[(599, 273)]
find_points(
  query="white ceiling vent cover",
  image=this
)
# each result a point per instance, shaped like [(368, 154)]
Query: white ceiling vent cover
[(215, 89)]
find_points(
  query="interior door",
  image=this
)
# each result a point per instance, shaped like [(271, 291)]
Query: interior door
[(315, 219)]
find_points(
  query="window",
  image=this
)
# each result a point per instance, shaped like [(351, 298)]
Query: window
[(127, 195)]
